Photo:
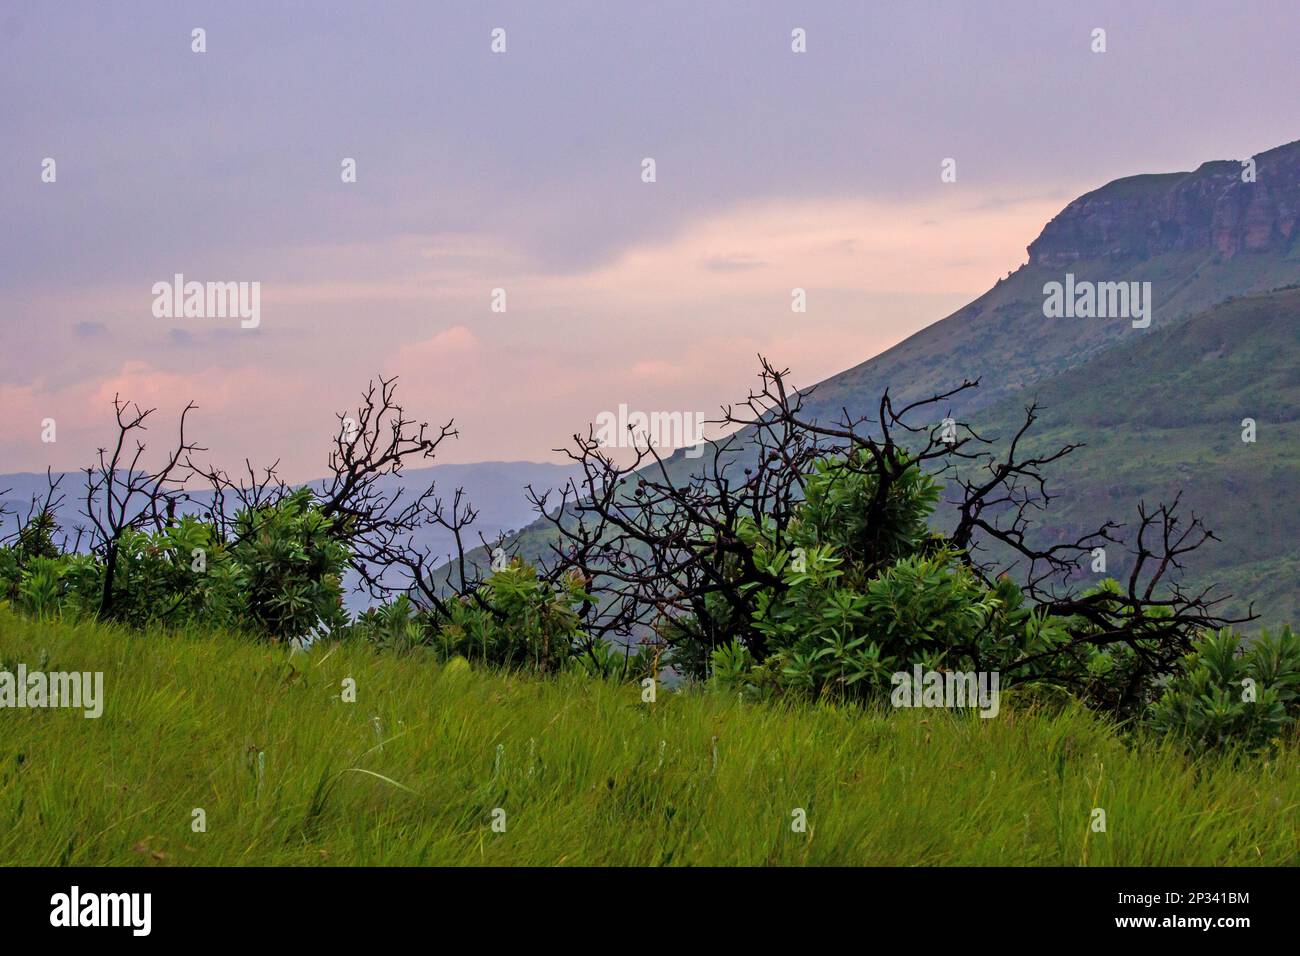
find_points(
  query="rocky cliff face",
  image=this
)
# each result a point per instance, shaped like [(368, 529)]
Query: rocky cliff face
[(1210, 210)]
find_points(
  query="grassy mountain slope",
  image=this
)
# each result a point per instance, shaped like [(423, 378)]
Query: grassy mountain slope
[(1202, 239), (1163, 413), (1003, 338), (287, 773)]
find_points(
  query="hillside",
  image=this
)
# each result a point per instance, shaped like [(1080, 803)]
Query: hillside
[(1199, 238), (285, 772), (1202, 239), (1163, 414)]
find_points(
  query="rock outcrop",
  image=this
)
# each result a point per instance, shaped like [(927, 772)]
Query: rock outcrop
[(1211, 209)]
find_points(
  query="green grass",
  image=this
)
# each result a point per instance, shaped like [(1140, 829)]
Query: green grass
[(586, 773)]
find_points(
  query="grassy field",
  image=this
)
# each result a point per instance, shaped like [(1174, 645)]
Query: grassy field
[(287, 772)]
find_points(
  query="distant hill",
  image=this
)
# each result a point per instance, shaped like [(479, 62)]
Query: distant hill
[(495, 488)]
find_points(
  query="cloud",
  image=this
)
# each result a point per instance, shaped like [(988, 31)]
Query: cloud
[(655, 331), (233, 407), (434, 354), (90, 330), (651, 328), (737, 263)]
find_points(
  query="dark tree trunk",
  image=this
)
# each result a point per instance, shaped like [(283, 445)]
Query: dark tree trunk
[(110, 568)]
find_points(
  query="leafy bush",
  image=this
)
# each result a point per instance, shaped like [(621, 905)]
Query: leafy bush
[(1229, 695), (396, 626), (290, 559), (280, 577), (733, 669), (178, 575), (854, 604), (33, 544), (832, 639), (515, 619), (834, 512), (857, 602)]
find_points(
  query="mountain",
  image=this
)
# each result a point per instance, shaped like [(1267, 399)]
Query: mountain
[(1199, 238), (1211, 209), (1163, 415), (1159, 408)]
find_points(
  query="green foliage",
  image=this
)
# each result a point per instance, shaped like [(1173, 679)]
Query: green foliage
[(515, 620), (34, 543), (280, 577), (36, 539), (395, 626), (836, 511), (859, 600), (178, 575), (732, 668), (291, 559), (831, 639), (1228, 695), (608, 662), (45, 587)]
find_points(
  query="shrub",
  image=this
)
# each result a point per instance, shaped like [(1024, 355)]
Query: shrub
[(290, 559), (279, 578), (852, 605), (733, 669), (515, 619), (1228, 695), (178, 575), (856, 603), (396, 626)]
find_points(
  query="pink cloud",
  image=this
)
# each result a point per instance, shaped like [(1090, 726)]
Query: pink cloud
[(233, 413)]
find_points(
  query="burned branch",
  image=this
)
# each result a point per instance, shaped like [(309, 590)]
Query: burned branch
[(121, 496), (663, 549)]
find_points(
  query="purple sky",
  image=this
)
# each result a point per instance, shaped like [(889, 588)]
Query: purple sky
[(523, 171)]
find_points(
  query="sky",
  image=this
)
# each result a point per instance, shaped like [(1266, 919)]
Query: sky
[(524, 171)]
